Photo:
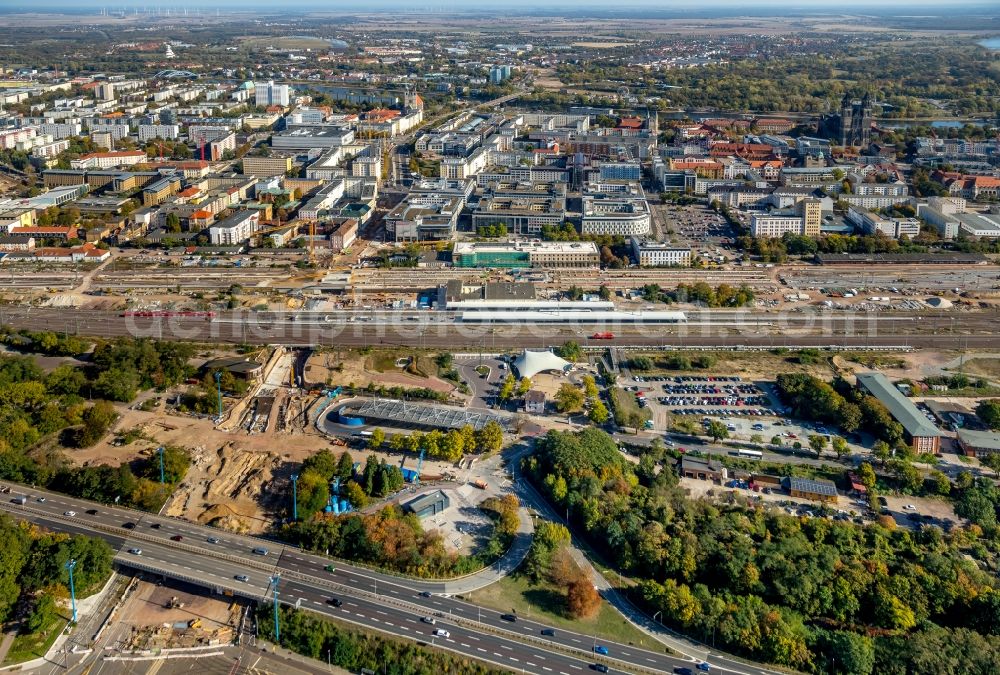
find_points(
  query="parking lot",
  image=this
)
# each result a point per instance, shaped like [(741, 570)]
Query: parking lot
[(695, 224), (718, 396)]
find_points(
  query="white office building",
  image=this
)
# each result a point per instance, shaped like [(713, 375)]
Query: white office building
[(269, 93), (659, 254)]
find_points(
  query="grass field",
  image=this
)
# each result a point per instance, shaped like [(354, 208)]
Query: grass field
[(982, 366), (33, 646), (544, 603)]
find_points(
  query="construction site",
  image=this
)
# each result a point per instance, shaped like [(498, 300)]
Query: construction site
[(154, 618)]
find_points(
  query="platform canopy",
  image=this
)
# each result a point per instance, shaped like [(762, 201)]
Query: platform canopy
[(533, 361)]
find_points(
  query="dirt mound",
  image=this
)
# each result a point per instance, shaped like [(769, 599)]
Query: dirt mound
[(226, 487)]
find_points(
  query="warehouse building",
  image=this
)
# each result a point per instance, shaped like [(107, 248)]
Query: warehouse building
[(978, 443), (429, 504), (806, 488), (922, 435)]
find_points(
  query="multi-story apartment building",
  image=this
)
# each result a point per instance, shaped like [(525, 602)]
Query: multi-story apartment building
[(167, 132), (107, 160), (235, 229)]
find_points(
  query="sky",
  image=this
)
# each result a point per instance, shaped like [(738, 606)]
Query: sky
[(733, 7)]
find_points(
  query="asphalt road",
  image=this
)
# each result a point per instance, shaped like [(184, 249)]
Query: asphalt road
[(723, 329), (372, 600)]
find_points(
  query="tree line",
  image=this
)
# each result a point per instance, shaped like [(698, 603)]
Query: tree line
[(794, 592), (33, 578)]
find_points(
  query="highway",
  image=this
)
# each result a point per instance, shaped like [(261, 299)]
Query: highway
[(213, 559), (710, 329)]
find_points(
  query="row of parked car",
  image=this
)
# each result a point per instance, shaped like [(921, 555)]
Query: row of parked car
[(714, 400)]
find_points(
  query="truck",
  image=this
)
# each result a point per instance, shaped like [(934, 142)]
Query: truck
[(480, 483), (602, 336), (22, 500)]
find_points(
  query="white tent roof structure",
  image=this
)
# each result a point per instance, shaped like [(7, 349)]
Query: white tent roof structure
[(534, 361)]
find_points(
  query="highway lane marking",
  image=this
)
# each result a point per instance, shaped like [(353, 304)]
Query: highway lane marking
[(575, 640), (411, 620), (546, 668), (473, 637), (507, 647), (573, 665), (513, 659), (497, 654), (483, 650), (389, 624), (379, 611), (466, 645)]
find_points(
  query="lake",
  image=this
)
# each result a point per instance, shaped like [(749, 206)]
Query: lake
[(990, 43)]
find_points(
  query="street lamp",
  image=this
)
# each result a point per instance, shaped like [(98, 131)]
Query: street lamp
[(277, 630), (159, 451), (70, 564), (295, 497)]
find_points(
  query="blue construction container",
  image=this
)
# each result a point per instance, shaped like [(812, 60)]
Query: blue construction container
[(410, 475), (344, 506)]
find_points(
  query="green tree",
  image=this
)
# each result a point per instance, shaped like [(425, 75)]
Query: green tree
[(97, 419), (717, 430), (989, 412), (598, 413), (507, 388), (992, 461), (377, 438), (568, 398), (570, 351), (881, 451), (345, 465), (489, 438), (817, 443), (840, 446), (523, 387), (355, 495)]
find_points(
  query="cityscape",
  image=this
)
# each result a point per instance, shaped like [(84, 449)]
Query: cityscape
[(479, 339)]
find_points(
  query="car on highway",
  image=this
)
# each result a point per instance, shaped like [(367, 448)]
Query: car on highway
[(683, 670), (69, 513), (135, 551), (259, 551), (155, 526), (336, 602), (429, 619), (548, 632), (91, 512), (241, 577), (909, 507), (425, 594), (128, 526), (601, 649), (176, 537), (704, 667), (41, 500), (508, 617), (599, 667), (329, 568), (212, 540), (441, 632)]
